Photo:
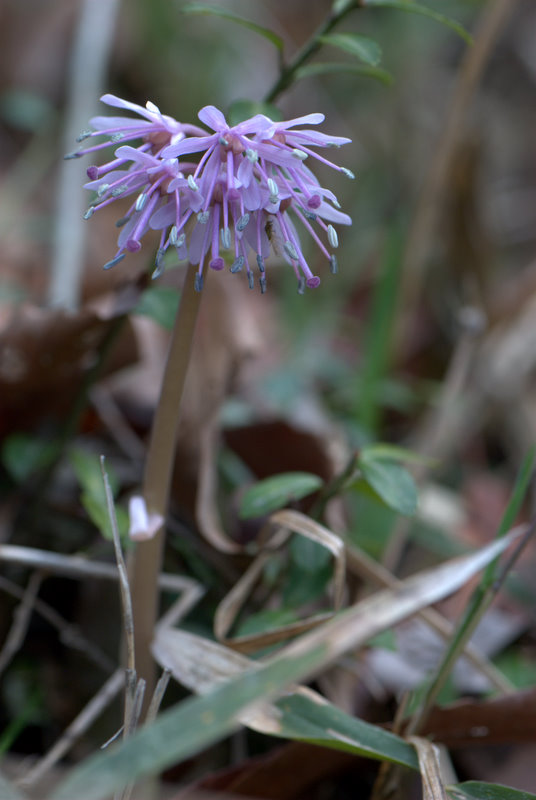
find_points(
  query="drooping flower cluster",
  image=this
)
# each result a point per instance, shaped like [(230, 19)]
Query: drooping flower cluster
[(234, 199)]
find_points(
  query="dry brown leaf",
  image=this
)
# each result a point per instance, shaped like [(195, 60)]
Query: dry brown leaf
[(287, 521), (430, 768)]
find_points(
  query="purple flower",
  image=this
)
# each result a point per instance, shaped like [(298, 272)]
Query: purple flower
[(243, 193), (136, 170), (248, 178)]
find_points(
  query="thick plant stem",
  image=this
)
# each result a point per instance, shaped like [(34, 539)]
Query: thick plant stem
[(146, 562)]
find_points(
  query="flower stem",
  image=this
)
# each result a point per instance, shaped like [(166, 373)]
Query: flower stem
[(147, 558)]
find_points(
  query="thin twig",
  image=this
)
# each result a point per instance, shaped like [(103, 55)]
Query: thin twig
[(126, 600), (77, 728), (21, 620), (80, 567), (158, 695), (70, 635)]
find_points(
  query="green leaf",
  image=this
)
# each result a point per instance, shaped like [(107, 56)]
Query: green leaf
[(276, 492), (362, 47), (392, 483), (266, 620), (392, 452), (244, 109), (159, 303), (23, 455), (306, 720), (415, 8), (200, 8), (308, 555), (183, 730), (325, 68), (478, 790)]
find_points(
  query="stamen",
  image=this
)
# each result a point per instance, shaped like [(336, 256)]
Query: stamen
[(84, 135), (242, 222), (262, 282), (122, 221), (251, 280), (173, 236), (118, 191), (273, 188), (291, 250), (237, 264), (225, 235), (192, 184), (309, 214), (333, 265), (252, 155), (159, 264), (347, 172), (223, 141), (333, 239), (301, 285), (140, 202), (89, 213), (114, 261), (203, 217), (260, 262), (116, 137), (68, 156), (198, 282), (103, 188), (299, 154)]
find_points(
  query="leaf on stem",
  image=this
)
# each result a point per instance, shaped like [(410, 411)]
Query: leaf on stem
[(416, 8), (277, 491), (362, 47), (325, 68), (213, 11)]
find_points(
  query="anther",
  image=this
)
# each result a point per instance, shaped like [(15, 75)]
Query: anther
[(252, 155), (333, 239), (237, 265), (309, 214), (68, 156), (301, 285), (333, 265), (299, 154), (262, 282), (122, 221), (159, 264), (116, 137), (223, 141), (140, 202), (251, 280), (114, 261), (103, 188), (242, 222), (84, 135), (273, 188), (192, 184), (173, 236), (225, 236), (203, 217), (260, 262), (291, 250), (198, 282), (347, 172), (89, 213)]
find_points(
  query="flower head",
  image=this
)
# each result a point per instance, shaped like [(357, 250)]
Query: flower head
[(243, 193)]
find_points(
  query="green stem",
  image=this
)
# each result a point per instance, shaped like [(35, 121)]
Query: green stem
[(481, 598), (310, 47), (146, 561)]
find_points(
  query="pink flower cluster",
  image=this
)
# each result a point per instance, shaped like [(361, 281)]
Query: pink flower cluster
[(241, 195)]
